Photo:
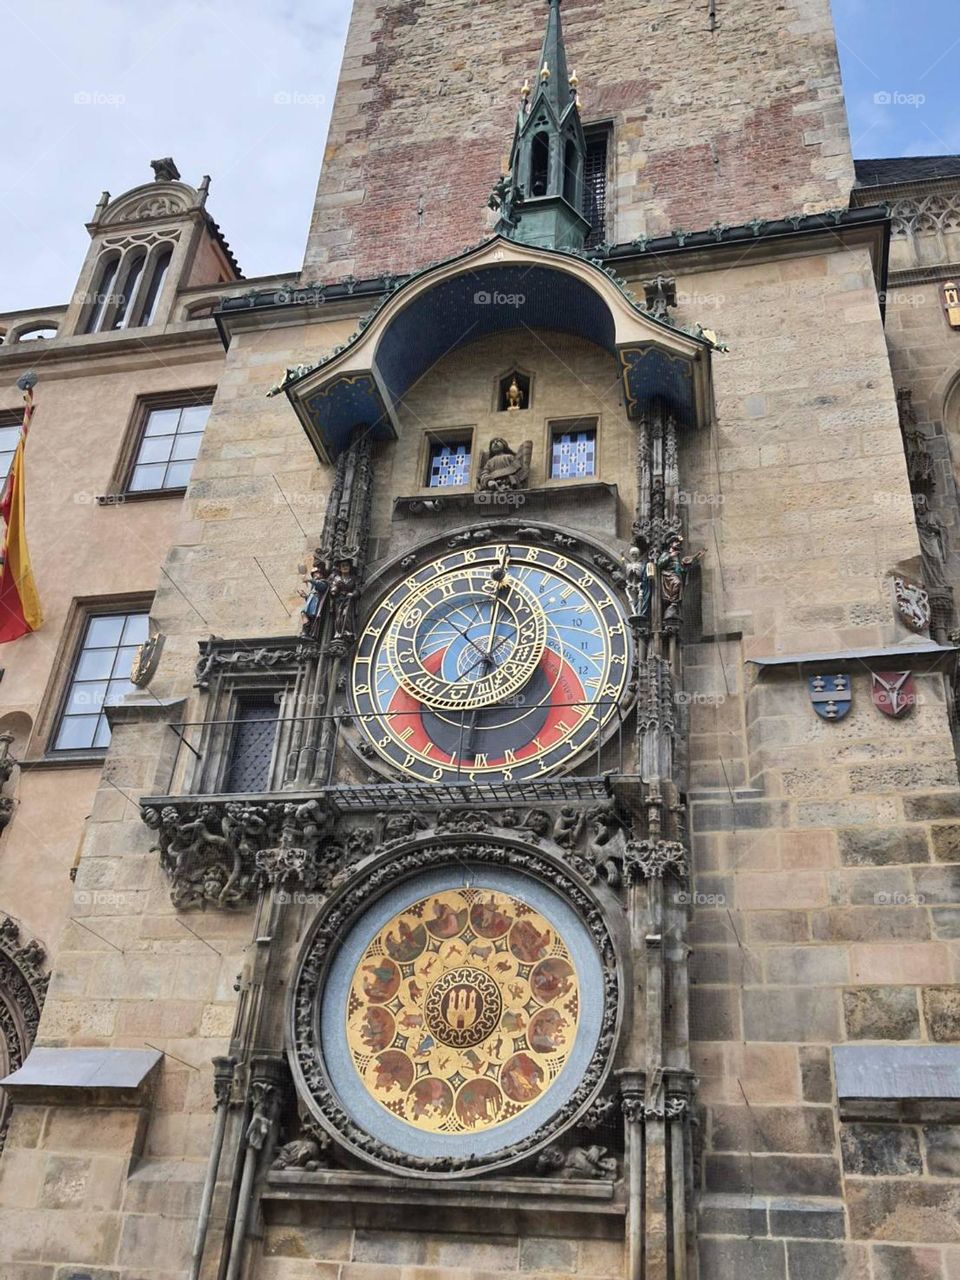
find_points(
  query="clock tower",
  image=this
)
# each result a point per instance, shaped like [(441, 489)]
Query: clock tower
[(523, 851)]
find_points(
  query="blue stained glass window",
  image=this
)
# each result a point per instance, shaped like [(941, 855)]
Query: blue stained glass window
[(449, 465), (574, 453)]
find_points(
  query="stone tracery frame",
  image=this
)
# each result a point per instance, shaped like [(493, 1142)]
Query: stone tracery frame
[(384, 871)]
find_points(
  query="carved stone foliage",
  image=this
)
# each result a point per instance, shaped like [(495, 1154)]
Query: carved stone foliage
[(23, 986), (611, 856), (7, 764), (221, 854), (216, 657), (343, 907), (147, 203)]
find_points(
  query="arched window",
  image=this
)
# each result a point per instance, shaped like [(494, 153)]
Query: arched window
[(103, 291), (133, 270), (161, 265), (571, 173), (539, 165), (32, 332)]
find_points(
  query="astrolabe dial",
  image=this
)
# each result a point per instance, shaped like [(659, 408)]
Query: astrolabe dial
[(468, 638), (463, 1010), (491, 663)]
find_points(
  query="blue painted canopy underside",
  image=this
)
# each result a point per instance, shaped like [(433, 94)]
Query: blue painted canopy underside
[(487, 300)]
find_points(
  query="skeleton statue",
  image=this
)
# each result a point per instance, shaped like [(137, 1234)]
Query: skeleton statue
[(639, 573)]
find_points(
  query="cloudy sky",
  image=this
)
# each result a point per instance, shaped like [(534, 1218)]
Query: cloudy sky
[(242, 89)]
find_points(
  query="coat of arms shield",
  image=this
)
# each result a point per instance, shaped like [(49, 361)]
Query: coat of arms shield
[(831, 696), (894, 692), (912, 603)]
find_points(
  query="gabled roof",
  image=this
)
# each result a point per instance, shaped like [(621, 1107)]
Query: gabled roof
[(902, 169)]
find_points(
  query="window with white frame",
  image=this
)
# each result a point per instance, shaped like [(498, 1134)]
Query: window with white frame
[(9, 438), (99, 676), (168, 445)]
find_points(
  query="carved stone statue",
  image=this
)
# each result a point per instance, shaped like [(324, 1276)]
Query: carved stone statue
[(568, 826), (306, 1152), (673, 567), (932, 550), (344, 594), (502, 468), (578, 1162)]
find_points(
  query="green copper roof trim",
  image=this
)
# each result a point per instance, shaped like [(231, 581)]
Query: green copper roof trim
[(298, 372)]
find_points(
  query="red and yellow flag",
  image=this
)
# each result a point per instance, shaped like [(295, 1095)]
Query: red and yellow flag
[(19, 603)]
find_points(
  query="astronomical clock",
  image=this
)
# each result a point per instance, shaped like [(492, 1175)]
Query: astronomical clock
[(457, 1002), (492, 663)]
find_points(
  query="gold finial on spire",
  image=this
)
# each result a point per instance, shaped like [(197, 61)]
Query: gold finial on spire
[(578, 103), (525, 89), (545, 73), (574, 79)]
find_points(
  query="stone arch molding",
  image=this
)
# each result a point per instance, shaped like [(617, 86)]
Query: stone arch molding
[(152, 200), (23, 986), (394, 874), (498, 287)]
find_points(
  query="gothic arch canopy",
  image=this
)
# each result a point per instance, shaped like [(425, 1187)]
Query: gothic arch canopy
[(497, 288)]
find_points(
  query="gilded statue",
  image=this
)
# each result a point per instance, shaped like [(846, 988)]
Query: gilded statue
[(514, 396)]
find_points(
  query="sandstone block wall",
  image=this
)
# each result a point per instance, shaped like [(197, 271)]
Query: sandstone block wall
[(743, 122)]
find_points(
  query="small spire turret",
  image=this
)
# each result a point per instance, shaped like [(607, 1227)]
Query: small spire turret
[(549, 154)]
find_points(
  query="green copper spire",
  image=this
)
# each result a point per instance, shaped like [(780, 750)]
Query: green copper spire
[(541, 199), (553, 77)]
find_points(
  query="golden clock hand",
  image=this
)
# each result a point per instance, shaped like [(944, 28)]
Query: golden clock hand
[(498, 575)]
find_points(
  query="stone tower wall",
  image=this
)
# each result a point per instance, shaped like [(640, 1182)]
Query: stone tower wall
[(743, 122)]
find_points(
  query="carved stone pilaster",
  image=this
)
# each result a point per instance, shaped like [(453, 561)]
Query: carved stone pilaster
[(7, 765), (23, 987), (224, 1071)]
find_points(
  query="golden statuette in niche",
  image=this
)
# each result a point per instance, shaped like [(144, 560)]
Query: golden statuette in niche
[(463, 1010)]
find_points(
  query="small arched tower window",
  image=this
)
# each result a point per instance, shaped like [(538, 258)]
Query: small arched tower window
[(158, 273), (571, 173), (513, 392), (540, 164), (132, 271), (106, 279)]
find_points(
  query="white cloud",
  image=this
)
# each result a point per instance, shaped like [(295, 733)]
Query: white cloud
[(94, 92)]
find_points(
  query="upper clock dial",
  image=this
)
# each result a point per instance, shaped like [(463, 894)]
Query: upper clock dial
[(491, 663)]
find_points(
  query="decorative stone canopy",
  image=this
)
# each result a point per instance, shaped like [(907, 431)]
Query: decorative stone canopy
[(498, 287)]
